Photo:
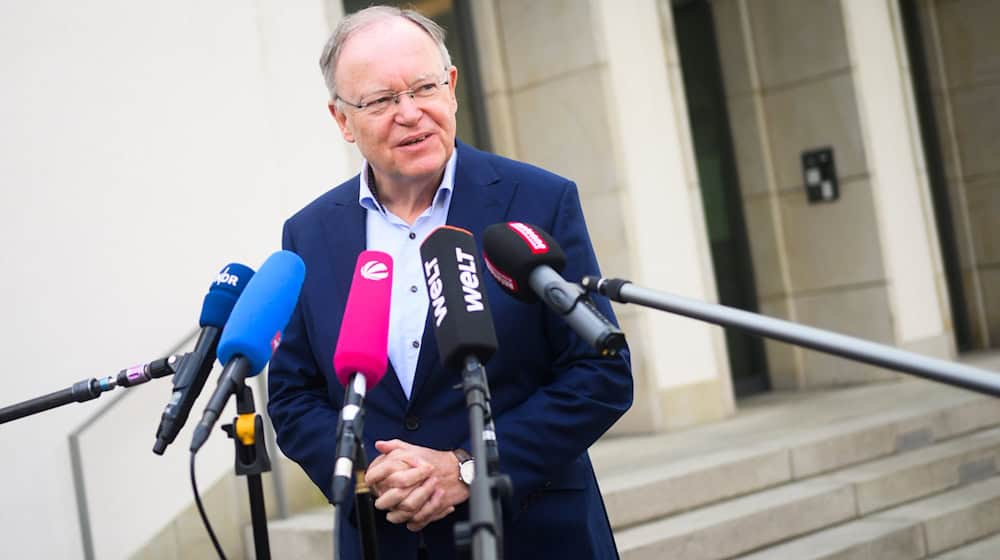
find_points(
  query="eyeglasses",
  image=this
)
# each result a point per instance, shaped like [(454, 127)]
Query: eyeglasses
[(378, 103)]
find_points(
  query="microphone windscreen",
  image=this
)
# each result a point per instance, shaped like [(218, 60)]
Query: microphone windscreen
[(254, 327), (514, 249), (223, 293), (363, 344), (460, 311)]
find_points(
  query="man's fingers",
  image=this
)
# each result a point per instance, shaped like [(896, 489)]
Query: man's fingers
[(387, 446), (416, 499), (443, 514), (418, 526), (412, 502), (383, 467), (409, 477), (404, 510), (396, 517), (430, 509), (391, 497)]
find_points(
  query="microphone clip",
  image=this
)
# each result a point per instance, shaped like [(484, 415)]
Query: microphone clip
[(563, 297)]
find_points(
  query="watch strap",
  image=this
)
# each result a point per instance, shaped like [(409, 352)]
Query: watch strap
[(464, 458)]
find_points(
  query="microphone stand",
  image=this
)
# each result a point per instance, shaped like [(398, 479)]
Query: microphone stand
[(251, 459), (881, 355), (89, 389), (364, 499), (484, 529), (364, 504)]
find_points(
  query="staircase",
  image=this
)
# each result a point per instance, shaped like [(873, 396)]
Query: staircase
[(899, 470), (905, 469)]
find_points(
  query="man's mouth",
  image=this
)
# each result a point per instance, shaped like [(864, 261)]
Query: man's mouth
[(416, 140)]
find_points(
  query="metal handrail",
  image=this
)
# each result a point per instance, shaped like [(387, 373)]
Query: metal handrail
[(76, 457), (76, 460)]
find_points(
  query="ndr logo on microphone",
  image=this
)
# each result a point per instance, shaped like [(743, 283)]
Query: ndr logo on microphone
[(225, 278), (374, 270)]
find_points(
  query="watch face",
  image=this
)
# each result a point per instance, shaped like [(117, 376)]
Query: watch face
[(467, 470)]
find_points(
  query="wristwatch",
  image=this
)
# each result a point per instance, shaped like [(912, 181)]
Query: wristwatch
[(466, 466)]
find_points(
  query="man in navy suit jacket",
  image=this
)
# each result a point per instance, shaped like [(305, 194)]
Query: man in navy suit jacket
[(552, 395)]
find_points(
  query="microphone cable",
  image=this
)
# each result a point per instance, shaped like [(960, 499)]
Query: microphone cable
[(336, 533), (201, 511)]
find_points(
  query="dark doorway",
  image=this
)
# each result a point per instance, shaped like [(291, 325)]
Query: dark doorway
[(720, 189), (934, 157)]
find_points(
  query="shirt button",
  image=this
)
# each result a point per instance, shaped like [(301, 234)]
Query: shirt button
[(413, 289), (413, 235), (412, 423), (416, 344)]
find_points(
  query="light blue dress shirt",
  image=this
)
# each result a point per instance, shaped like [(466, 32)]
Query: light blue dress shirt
[(391, 234)]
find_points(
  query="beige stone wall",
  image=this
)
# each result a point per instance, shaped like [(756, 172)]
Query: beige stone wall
[(562, 84), (963, 55), (789, 85), (536, 84)]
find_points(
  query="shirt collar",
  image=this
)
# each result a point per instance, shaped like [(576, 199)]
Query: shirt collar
[(367, 200)]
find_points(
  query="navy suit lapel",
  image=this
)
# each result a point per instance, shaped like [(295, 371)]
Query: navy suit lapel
[(479, 199), (347, 237)]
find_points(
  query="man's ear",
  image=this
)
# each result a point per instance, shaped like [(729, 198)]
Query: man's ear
[(452, 84), (341, 119)]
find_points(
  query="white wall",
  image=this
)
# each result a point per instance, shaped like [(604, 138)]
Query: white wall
[(142, 146)]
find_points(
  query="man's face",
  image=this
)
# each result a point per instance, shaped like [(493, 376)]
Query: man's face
[(392, 56)]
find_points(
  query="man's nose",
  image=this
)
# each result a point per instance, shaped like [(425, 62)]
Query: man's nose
[(407, 109)]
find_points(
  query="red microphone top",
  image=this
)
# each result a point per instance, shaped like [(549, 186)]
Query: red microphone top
[(364, 333)]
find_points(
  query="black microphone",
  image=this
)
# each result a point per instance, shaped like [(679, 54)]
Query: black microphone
[(463, 324), (525, 261), (197, 366), (460, 311), (253, 331), (463, 327)]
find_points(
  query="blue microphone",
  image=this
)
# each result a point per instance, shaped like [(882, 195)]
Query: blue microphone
[(193, 371), (253, 331)]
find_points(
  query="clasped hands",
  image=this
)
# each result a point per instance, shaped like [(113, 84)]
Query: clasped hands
[(416, 485)]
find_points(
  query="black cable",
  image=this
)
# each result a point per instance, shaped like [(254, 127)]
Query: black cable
[(201, 511), (336, 533)]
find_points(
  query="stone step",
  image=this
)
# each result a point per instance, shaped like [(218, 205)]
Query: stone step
[(920, 529), (653, 491), (742, 524), (791, 465), (988, 548), (770, 516), (900, 478), (306, 535)]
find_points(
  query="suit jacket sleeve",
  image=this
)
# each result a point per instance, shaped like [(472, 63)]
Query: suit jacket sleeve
[(298, 400), (586, 393)]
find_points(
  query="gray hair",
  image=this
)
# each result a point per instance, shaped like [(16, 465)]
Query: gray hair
[(364, 18)]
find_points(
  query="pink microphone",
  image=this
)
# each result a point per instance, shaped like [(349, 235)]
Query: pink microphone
[(360, 361), (364, 333)]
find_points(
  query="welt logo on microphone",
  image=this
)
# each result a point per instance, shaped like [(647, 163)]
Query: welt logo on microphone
[(374, 270)]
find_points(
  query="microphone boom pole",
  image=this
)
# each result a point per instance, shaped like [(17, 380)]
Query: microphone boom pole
[(89, 389), (857, 349)]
